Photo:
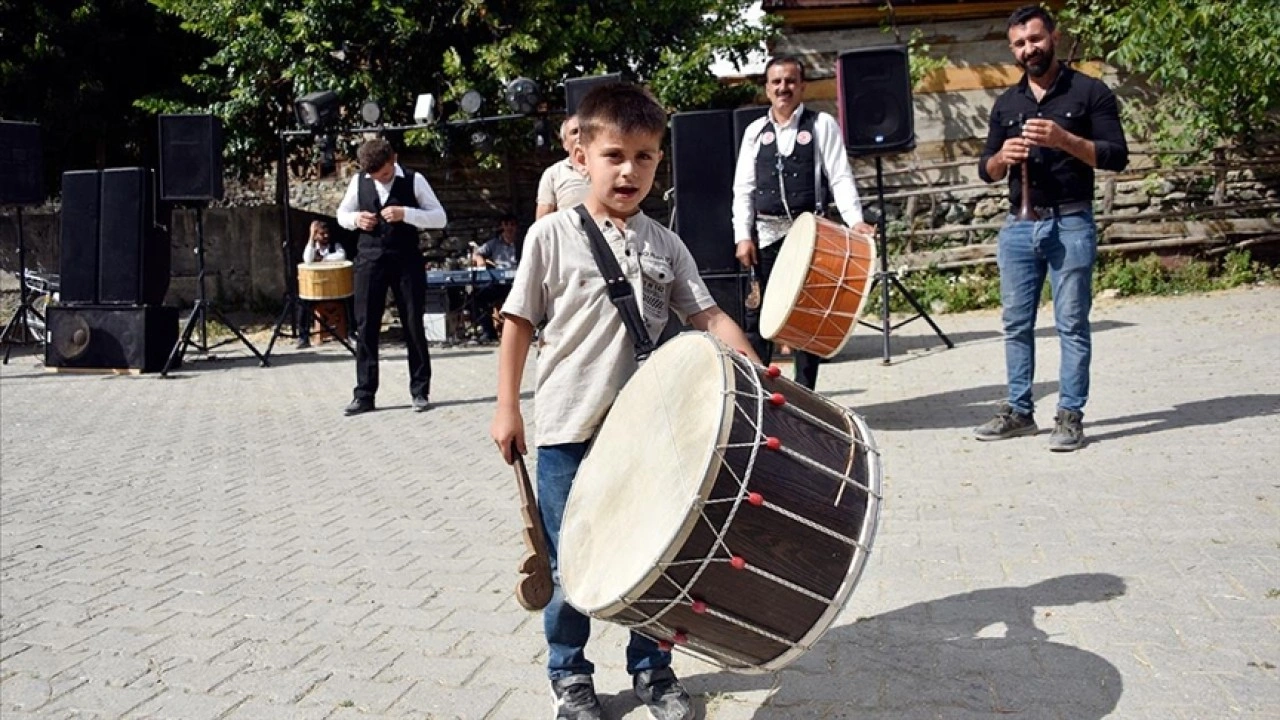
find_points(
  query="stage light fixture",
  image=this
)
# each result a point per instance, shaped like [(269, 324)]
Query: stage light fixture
[(316, 109), (424, 110), (523, 96), (471, 102), (370, 112)]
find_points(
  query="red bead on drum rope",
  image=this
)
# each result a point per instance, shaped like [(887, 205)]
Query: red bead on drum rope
[(755, 498), (778, 399), (664, 646), (773, 443), (737, 562), (773, 371), (699, 607), (680, 638)]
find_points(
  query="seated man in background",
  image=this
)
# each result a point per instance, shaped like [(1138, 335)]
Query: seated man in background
[(319, 249), (499, 253)]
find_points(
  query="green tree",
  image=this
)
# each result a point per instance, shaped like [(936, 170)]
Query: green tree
[(270, 52), (1211, 64), (77, 66)]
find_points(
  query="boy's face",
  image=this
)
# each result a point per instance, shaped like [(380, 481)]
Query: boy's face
[(620, 168)]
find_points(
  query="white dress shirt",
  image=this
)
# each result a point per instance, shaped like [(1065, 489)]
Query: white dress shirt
[(427, 216), (831, 157)]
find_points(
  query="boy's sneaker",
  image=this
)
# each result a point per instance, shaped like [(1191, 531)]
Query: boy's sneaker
[(1068, 431), (575, 699), (663, 694), (1006, 424)]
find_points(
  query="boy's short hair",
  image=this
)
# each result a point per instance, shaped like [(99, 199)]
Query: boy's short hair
[(1027, 13), (373, 154), (628, 108), (318, 225)]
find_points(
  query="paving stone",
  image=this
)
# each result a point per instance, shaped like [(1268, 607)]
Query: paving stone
[(163, 555)]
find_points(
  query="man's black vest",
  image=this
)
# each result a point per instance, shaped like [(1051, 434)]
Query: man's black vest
[(797, 170), (401, 235)]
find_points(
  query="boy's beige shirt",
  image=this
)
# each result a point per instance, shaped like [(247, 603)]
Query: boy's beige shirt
[(584, 353)]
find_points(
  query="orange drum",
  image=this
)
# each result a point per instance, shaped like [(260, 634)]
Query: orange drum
[(326, 280), (818, 286)]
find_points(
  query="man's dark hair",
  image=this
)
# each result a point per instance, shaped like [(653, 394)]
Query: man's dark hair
[(622, 105), (1027, 13), (373, 154), (785, 60), (506, 217)]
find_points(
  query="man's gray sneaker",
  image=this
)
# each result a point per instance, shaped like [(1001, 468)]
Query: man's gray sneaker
[(1068, 431), (663, 694), (575, 699), (1006, 424)]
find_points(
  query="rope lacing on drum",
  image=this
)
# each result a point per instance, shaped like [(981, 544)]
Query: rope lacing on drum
[(824, 314)]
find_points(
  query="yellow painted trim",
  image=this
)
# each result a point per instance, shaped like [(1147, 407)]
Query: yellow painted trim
[(955, 79), (873, 15)]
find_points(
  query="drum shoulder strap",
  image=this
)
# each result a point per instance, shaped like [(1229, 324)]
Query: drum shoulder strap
[(620, 293)]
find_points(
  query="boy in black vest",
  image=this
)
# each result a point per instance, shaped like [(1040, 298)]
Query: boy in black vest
[(388, 205)]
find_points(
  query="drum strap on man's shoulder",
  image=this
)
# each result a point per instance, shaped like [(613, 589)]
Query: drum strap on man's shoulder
[(620, 292)]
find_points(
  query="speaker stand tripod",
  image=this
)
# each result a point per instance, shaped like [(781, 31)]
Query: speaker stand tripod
[(290, 310), (886, 278), (21, 320), (200, 313)]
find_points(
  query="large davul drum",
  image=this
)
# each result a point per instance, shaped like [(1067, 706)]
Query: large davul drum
[(818, 286), (722, 509), (326, 280)]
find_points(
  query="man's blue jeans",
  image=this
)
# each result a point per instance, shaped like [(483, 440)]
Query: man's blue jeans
[(1064, 248), (568, 630)]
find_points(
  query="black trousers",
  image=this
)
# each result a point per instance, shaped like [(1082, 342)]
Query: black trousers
[(485, 300), (400, 269), (806, 363)]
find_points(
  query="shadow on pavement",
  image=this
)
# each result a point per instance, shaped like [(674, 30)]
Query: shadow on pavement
[(952, 409), (1213, 411), (976, 654), (867, 343)]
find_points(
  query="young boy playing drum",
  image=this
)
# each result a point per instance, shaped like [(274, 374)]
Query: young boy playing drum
[(585, 356)]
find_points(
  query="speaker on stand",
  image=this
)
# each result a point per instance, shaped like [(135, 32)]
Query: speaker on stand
[(577, 88), (21, 183), (191, 176), (877, 117)]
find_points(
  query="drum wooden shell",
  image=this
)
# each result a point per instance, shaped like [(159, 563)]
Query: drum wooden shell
[(734, 528), (818, 286), (326, 280)]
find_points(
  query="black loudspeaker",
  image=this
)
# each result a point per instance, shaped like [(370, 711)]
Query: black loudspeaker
[(702, 161), (577, 88), (21, 164), (742, 117), (110, 338), (874, 90), (190, 157), (133, 254), (78, 236)]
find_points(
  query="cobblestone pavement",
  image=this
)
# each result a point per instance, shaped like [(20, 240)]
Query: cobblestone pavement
[(224, 544)]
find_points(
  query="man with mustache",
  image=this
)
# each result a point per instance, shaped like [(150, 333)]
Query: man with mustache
[(1057, 125), (791, 161)]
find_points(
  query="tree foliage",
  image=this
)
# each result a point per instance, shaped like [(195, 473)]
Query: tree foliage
[(76, 67), (1211, 64), (270, 52)]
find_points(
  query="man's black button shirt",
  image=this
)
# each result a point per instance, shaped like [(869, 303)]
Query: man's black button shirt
[(1082, 106)]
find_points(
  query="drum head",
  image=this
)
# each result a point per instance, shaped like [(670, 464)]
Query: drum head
[(786, 280), (636, 496)]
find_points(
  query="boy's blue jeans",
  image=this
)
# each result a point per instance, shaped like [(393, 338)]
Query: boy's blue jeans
[(1063, 247), (567, 630)]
